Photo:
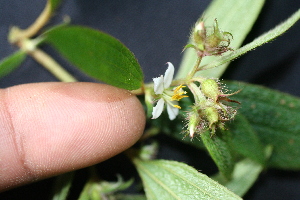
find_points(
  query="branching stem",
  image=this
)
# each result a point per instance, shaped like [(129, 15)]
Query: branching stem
[(195, 69), (16, 34)]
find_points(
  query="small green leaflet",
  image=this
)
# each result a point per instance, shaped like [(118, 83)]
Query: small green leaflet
[(10, 63)]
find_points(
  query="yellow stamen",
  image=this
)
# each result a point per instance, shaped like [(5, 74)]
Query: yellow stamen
[(179, 93), (176, 106)]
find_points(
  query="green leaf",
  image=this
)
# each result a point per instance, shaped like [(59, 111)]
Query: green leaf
[(245, 174), (97, 54), (243, 139), (62, 186), (275, 117), (270, 35), (236, 17), (164, 179), (54, 4), (10, 63), (220, 153)]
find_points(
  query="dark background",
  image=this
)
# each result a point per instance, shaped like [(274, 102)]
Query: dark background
[(156, 31)]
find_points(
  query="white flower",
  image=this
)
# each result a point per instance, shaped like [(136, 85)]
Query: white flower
[(161, 88)]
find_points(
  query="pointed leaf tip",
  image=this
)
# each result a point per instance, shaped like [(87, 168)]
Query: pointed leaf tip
[(10, 63)]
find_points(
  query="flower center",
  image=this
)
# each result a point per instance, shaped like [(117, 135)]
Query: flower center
[(179, 93)]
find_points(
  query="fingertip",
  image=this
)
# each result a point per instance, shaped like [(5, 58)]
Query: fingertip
[(59, 127)]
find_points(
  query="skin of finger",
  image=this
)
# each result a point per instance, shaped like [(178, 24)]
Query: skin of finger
[(50, 128)]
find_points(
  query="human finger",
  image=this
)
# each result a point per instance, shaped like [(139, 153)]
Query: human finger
[(51, 128)]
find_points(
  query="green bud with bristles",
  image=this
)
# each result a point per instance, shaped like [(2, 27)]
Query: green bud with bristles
[(212, 116), (210, 89), (199, 35), (194, 120)]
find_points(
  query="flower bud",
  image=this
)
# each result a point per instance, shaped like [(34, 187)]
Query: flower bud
[(199, 35), (210, 89), (210, 110), (212, 116), (194, 120)]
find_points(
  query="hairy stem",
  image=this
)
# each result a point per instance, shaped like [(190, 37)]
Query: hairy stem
[(195, 69)]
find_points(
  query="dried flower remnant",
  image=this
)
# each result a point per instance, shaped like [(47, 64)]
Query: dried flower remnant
[(207, 44)]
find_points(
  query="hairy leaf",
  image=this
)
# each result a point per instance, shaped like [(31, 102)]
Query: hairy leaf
[(220, 153), (164, 179), (244, 176), (275, 117), (243, 140)]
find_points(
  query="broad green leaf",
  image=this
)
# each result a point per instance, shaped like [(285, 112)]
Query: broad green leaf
[(275, 117), (243, 139), (244, 176), (62, 186), (236, 17), (10, 63), (97, 54), (270, 35), (54, 4), (220, 153), (164, 179)]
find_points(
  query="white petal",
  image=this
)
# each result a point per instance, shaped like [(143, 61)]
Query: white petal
[(172, 111), (158, 84), (157, 110), (169, 75)]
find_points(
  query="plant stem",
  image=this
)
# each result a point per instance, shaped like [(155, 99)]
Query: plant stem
[(179, 82), (51, 65), (21, 38), (195, 69), (16, 34), (139, 91)]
